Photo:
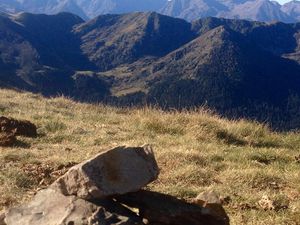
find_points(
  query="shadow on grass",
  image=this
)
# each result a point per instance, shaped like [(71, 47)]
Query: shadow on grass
[(21, 144), (231, 139)]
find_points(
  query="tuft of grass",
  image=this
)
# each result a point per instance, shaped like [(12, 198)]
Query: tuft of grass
[(23, 181), (2, 109), (55, 126), (17, 157), (196, 151), (264, 181), (229, 138), (159, 127), (268, 158)]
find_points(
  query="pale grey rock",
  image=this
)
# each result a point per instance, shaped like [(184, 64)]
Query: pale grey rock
[(117, 171), (114, 172), (209, 197), (50, 207), (212, 204)]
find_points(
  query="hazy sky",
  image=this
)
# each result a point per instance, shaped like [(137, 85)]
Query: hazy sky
[(283, 1)]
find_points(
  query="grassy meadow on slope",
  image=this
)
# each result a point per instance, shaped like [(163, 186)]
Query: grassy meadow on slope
[(195, 150)]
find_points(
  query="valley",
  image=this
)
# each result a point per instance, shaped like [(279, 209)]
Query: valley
[(237, 68)]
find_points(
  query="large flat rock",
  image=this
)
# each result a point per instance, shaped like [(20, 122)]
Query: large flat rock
[(117, 171), (50, 207)]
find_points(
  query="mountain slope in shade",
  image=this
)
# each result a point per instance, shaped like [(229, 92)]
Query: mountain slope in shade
[(17, 55), (52, 37), (111, 40), (222, 69), (238, 67), (40, 53)]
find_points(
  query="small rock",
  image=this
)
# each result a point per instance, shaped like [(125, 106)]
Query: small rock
[(297, 158), (208, 197), (117, 171), (266, 203), (7, 139), (212, 201), (21, 127)]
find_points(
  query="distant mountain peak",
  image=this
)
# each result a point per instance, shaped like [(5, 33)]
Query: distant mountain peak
[(292, 8), (260, 10)]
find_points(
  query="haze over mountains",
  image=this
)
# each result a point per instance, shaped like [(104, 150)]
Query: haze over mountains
[(237, 67), (260, 10)]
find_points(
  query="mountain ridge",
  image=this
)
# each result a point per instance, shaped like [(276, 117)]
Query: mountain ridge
[(255, 10)]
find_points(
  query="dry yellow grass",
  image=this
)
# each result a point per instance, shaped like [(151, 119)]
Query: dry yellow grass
[(195, 150)]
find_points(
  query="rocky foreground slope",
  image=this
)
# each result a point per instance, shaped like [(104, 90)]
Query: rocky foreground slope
[(254, 169)]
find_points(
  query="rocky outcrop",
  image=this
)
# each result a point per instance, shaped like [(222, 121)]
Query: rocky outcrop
[(100, 191), (117, 171), (20, 127)]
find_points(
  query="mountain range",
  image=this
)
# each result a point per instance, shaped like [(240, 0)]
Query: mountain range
[(236, 67), (256, 10)]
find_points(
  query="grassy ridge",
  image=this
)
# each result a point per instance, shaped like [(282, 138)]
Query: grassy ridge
[(196, 151)]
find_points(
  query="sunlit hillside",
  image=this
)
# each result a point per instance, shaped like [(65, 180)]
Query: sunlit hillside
[(196, 151)]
